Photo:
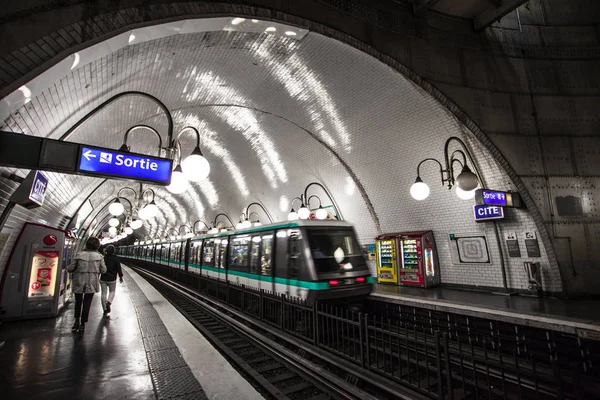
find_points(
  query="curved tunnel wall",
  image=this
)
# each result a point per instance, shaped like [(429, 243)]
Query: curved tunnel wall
[(487, 76)]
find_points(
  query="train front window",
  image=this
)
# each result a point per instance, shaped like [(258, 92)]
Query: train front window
[(335, 250)]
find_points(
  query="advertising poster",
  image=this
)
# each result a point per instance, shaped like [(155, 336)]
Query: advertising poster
[(44, 268)]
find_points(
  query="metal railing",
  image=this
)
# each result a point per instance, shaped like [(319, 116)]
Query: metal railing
[(440, 360)]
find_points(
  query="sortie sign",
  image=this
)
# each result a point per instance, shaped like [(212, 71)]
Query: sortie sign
[(110, 163)]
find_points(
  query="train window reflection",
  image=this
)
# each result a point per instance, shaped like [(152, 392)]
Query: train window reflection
[(326, 244), (238, 253)]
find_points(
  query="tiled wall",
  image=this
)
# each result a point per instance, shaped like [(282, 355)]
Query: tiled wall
[(551, 148)]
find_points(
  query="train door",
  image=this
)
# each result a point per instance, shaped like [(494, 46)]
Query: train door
[(208, 258), (261, 261), (221, 258), (293, 264)]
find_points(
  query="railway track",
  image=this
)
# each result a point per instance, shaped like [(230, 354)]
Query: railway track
[(398, 359), (278, 368)]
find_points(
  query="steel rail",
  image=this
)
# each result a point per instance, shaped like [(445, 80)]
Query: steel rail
[(323, 379)]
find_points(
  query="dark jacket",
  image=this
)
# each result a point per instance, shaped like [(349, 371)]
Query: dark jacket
[(113, 268)]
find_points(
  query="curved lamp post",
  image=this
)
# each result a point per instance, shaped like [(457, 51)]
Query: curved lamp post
[(187, 235), (466, 182), (195, 167), (262, 207), (214, 229), (293, 215), (321, 212), (125, 148), (304, 212), (150, 210), (194, 226)]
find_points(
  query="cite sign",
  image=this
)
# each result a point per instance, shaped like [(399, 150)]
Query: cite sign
[(486, 213)]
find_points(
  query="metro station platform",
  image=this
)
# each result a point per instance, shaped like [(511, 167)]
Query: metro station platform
[(145, 349), (581, 317)]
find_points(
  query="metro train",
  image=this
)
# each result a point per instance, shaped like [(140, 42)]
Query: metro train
[(310, 259)]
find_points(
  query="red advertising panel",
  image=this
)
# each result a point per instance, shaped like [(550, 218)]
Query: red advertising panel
[(44, 268)]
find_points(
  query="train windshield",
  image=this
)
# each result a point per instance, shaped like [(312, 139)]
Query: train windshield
[(335, 250)]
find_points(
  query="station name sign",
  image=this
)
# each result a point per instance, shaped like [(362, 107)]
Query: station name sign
[(38, 188), (486, 213), (485, 197), (105, 162)]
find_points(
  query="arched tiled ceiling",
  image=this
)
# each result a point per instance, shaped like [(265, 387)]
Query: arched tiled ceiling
[(257, 99)]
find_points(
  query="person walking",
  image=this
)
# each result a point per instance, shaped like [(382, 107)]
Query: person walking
[(108, 280), (85, 281)]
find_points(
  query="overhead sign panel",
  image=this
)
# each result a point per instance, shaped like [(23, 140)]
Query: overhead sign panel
[(110, 163), (486, 213), (497, 198)]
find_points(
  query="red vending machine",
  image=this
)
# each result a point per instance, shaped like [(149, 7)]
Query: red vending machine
[(416, 258), (35, 282)]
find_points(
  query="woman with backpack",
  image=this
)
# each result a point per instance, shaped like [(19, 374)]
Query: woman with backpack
[(86, 270)]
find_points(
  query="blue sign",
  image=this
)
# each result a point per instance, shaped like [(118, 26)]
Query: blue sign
[(38, 188), (493, 198), (110, 163), (485, 213)]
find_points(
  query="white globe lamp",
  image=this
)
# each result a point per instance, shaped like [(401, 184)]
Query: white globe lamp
[(246, 224), (467, 180), (129, 230), (321, 213), (303, 212), (195, 167), (464, 194), (136, 224), (179, 182), (292, 216), (149, 211), (419, 190), (114, 222), (112, 230), (116, 208)]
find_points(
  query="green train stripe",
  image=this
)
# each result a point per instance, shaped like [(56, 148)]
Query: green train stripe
[(262, 278), (268, 279)]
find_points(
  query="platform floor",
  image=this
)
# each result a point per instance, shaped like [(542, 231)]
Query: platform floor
[(144, 350), (583, 314)]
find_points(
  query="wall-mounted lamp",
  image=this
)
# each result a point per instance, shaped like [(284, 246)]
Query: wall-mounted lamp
[(264, 210), (150, 210), (254, 223), (243, 223), (321, 213), (465, 182), (304, 212), (215, 229), (179, 181), (194, 226), (125, 148), (195, 166), (293, 215), (173, 235), (189, 233)]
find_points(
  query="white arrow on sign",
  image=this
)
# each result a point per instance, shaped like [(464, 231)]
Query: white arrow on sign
[(88, 154)]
